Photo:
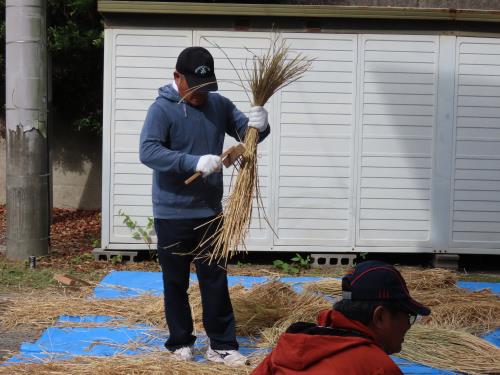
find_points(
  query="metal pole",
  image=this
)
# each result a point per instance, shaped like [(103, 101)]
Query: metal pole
[(26, 114)]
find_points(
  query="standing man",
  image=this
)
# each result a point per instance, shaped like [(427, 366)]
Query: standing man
[(357, 336), (184, 133)]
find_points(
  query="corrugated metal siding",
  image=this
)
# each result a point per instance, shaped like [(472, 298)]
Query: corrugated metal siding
[(315, 159), (397, 116), (476, 179)]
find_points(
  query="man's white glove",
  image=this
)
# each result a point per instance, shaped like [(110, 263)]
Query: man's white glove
[(208, 164), (257, 118)]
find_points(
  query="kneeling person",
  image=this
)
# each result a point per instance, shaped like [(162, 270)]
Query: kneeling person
[(357, 336)]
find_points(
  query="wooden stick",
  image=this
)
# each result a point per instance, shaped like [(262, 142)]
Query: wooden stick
[(192, 178)]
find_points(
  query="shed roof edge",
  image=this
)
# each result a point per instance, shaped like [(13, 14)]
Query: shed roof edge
[(291, 10)]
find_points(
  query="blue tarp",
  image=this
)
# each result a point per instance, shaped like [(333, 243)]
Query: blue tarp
[(57, 343), (408, 367), (493, 337), (122, 284), (478, 285)]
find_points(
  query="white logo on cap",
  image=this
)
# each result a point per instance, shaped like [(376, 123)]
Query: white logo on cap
[(202, 70)]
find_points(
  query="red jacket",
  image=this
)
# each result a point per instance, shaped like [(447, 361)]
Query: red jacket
[(320, 351)]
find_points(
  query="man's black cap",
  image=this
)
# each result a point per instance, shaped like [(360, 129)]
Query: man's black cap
[(379, 281), (197, 65)]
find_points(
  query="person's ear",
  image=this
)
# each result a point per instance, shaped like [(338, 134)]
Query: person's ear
[(380, 316), (176, 75)]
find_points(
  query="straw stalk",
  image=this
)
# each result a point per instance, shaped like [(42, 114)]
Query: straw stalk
[(269, 73)]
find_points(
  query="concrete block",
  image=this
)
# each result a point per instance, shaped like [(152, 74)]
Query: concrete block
[(106, 255), (332, 259), (449, 261)]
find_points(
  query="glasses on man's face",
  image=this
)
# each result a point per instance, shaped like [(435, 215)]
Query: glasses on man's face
[(412, 318)]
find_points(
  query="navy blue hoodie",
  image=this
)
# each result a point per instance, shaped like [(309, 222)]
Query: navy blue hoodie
[(173, 138)]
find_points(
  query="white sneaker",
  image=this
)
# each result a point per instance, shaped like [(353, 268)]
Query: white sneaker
[(231, 358), (183, 354)]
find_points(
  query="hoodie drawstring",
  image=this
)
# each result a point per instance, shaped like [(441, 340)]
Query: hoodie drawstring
[(185, 110)]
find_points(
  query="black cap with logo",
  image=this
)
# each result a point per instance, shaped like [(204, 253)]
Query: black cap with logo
[(197, 65), (379, 281)]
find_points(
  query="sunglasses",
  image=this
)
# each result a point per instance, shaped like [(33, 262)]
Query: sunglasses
[(412, 318)]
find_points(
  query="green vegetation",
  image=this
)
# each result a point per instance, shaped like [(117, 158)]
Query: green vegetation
[(18, 275), (75, 42), (81, 258), (141, 233), (297, 264)]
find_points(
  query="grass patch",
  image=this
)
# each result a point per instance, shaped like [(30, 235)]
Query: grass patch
[(17, 275), (476, 276)]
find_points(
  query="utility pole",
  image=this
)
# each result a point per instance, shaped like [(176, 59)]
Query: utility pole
[(27, 159)]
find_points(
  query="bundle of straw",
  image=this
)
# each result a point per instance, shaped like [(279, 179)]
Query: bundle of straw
[(270, 72), (261, 306), (305, 308), (456, 308), (449, 349), (331, 288), (428, 279), (41, 309), (476, 317)]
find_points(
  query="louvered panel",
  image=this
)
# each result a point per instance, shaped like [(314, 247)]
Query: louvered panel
[(143, 61), (476, 178), (398, 105), (315, 166)]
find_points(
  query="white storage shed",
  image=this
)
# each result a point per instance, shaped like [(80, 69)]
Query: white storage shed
[(390, 143)]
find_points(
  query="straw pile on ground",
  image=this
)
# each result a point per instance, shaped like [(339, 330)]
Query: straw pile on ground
[(150, 364), (452, 307), (451, 349), (42, 309), (417, 280), (455, 308), (255, 309), (428, 279), (267, 310), (268, 74)]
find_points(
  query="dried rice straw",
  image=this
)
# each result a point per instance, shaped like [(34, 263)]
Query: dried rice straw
[(452, 307), (449, 349), (41, 310), (269, 73), (155, 364), (326, 287), (267, 310), (428, 279)]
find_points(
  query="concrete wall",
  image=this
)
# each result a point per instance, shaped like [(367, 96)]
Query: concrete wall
[(76, 170)]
